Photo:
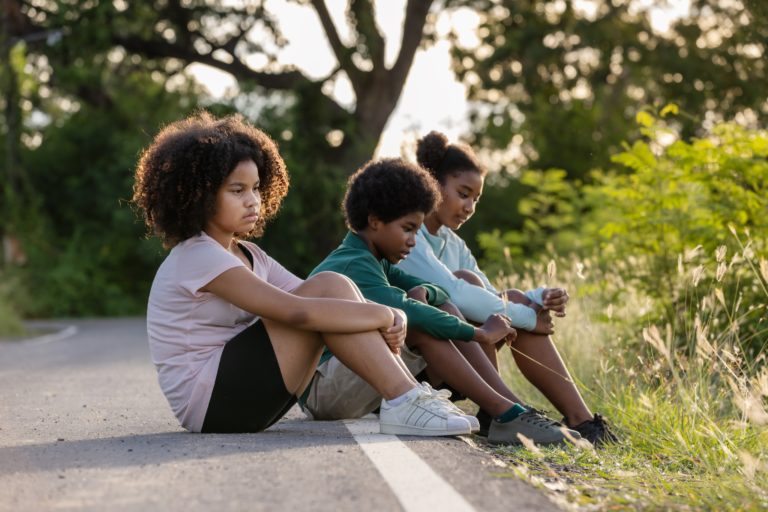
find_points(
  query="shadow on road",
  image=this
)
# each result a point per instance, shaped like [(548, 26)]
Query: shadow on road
[(154, 449)]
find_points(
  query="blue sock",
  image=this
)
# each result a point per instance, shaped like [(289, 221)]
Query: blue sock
[(512, 413)]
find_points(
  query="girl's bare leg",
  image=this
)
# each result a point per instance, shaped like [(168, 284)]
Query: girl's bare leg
[(557, 385), (536, 355), (365, 353)]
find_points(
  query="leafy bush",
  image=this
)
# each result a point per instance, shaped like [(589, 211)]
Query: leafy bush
[(85, 247), (10, 321), (658, 221)]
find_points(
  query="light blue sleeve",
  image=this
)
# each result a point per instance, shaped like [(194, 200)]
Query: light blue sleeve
[(467, 261), (536, 295), (475, 303)]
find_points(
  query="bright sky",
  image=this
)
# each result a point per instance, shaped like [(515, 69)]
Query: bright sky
[(422, 107)]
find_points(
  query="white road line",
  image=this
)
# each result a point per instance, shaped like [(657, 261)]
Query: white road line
[(415, 484)]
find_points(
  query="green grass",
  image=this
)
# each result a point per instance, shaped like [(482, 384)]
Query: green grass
[(689, 406)]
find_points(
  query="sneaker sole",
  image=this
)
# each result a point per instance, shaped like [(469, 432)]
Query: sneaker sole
[(403, 430)]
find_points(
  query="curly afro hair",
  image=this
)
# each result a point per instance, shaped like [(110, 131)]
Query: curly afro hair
[(388, 189), (435, 154), (179, 174)]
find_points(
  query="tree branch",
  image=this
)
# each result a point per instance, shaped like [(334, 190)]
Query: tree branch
[(163, 49), (365, 24), (342, 52), (413, 31)]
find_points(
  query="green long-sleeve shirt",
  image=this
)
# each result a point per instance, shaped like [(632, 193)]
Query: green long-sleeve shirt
[(382, 282)]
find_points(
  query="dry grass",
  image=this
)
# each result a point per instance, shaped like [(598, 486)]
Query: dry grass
[(688, 402)]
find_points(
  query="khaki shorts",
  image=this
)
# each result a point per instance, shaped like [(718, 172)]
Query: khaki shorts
[(338, 393)]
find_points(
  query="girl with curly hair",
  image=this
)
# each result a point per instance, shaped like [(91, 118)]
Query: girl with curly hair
[(441, 257), (234, 335)]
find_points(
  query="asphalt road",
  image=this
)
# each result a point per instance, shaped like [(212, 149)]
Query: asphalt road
[(84, 426)]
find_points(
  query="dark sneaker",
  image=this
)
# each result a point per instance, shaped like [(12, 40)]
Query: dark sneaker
[(596, 431), (485, 422), (534, 426)]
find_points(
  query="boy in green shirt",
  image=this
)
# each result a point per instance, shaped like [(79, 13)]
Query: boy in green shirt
[(385, 205)]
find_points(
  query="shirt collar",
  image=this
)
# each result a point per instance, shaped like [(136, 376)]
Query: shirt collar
[(436, 241), (353, 240)]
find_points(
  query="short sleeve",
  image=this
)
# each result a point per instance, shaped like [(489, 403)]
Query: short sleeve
[(199, 261), (270, 270)]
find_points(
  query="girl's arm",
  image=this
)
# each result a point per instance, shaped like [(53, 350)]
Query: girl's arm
[(475, 302), (243, 289)]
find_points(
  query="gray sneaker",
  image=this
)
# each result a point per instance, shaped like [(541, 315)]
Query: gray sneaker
[(531, 424)]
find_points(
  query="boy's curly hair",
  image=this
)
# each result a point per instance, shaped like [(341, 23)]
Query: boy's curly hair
[(388, 189), (435, 154), (179, 174)]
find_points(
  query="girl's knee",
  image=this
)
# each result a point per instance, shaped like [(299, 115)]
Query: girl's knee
[(469, 276), (332, 284)]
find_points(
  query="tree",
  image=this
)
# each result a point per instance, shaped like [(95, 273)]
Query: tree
[(115, 71), (13, 30), (323, 141), (564, 80)]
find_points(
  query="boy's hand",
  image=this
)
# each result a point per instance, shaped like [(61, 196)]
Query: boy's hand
[(555, 299), (544, 324), (495, 328), (418, 293), (394, 335)]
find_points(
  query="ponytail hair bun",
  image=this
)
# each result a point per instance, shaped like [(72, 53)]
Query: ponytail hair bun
[(436, 155), (430, 150)]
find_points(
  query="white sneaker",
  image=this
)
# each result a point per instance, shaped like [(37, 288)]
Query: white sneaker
[(445, 395), (421, 414)]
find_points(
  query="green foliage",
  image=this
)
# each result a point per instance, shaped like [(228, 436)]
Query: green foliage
[(562, 80), (10, 320), (87, 253), (673, 204), (550, 209)]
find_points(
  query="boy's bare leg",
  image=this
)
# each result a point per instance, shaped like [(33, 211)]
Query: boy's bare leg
[(477, 358), (531, 349), (298, 351), (448, 365)]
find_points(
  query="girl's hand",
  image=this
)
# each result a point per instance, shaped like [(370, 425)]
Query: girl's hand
[(544, 324), (555, 299), (394, 335)]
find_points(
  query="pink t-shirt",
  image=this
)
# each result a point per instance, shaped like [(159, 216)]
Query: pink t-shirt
[(188, 328)]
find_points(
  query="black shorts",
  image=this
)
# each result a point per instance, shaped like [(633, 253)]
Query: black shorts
[(249, 394)]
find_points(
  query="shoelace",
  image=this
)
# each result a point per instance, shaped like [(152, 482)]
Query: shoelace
[(438, 393), (537, 419), (433, 405), (444, 395), (544, 413)]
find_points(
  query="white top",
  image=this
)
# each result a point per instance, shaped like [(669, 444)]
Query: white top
[(436, 257), (188, 328)]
